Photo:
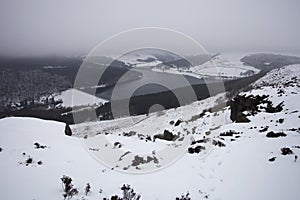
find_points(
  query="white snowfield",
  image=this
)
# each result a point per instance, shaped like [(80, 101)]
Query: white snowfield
[(224, 66), (74, 97), (239, 170)]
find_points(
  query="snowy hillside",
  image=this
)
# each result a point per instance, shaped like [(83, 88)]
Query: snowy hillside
[(217, 159)]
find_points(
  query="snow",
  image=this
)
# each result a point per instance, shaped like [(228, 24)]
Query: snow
[(224, 66), (73, 97), (240, 170)]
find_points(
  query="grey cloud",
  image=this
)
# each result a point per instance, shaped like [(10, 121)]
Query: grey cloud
[(73, 27)]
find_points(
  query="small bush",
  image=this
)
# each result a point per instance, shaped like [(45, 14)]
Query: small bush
[(87, 189), (128, 194), (29, 161), (184, 197), (69, 190)]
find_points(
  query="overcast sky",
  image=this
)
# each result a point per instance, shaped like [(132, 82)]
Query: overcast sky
[(73, 27)]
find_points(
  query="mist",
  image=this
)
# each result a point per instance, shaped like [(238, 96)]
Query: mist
[(75, 27)]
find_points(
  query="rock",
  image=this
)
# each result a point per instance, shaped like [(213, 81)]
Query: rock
[(197, 149), (68, 130), (272, 159), (241, 118), (264, 129), (117, 145), (129, 134), (280, 120), (271, 109), (242, 103), (271, 134), (29, 161), (178, 122), (167, 135), (286, 151)]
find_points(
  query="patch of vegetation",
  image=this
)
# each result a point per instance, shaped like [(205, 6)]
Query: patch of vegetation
[(29, 161), (87, 189), (184, 197), (229, 133), (129, 134), (204, 140), (128, 194), (196, 149), (272, 134), (138, 160), (68, 188), (280, 120), (286, 151), (39, 146)]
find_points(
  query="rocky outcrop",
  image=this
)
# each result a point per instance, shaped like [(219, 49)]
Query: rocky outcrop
[(242, 103)]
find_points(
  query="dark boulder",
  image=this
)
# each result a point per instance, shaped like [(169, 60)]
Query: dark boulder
[(272, 134), (272, 159), (178, 122), (68, 130), (167, 135), (286, 151)]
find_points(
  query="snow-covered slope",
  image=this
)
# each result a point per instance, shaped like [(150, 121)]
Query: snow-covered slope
[(240, 160)]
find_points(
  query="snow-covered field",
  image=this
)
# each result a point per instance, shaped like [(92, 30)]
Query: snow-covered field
[(74, 97), (225, 66), (249, 166)]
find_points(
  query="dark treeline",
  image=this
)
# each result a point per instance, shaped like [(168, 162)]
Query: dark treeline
[(69, 65)]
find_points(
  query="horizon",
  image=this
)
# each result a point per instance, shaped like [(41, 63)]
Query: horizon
[(74, 28)]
